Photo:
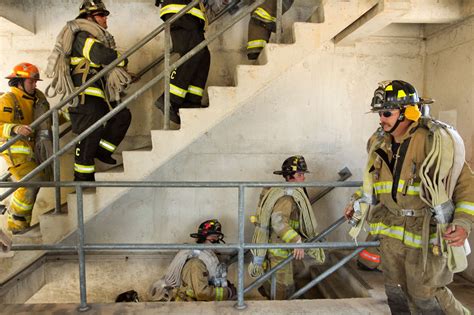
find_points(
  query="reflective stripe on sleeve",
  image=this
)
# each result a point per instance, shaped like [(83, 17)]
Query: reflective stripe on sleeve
[(7, 130), (465, 207), (289, 235)]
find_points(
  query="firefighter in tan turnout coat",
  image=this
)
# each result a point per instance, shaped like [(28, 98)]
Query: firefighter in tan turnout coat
[(422, 197)]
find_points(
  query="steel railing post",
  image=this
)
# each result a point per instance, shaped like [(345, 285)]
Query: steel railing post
[(278, 21), (80, 249), (166, 117), (56, 162), (241, 221)]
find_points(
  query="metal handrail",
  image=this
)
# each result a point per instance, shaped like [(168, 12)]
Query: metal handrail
[(241, 246), (134, 96)]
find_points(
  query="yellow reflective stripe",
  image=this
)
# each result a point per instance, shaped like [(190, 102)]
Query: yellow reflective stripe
[(289, 235), (19, 149), (122, 63), (196, 90), (465, 207), (93, 91), (23, 73), (107, 145), (399, 233), (383, 187), (176, 90), (21, 205), (86, 50), (264, 14), (86, 169), (401, 94), (258, 43), (175, 8), (76, 60), (279, 252), (295, 224), (386, 188), (219, 294), (190, 293), (7, 130)]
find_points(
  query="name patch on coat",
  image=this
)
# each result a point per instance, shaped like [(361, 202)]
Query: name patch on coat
[(7, 109)]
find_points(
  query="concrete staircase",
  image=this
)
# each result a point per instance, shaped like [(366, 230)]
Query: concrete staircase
[(249, 80)]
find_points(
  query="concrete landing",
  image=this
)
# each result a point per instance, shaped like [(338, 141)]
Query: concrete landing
[(342, 306)]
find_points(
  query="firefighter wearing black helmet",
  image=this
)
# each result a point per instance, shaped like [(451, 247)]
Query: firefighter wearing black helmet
[(187, 82), (285, 210), (261, 25), (396, 183), (89, 55)]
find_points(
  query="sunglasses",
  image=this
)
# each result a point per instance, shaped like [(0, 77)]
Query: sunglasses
[(100, 14), (386, 114)]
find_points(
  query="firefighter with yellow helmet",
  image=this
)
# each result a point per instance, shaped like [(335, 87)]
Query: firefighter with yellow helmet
[(284, 215), (418, 198), (18, 109)]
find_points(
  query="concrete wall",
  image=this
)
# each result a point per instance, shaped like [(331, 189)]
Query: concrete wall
[(449, 73), (316, 109)]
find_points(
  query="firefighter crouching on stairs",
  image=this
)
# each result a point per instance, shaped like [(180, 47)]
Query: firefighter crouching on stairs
[(188, 81), (88, 57), (18, 109), (261, 25), (422, 196), (284, 215), (196, 275)]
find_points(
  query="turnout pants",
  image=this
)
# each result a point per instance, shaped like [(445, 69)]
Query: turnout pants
[(285, 283), (262, 23), (188, 81), (23, 199), (409, 288), (103, 141)]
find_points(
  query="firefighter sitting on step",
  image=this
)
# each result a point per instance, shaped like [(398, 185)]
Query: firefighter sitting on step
[(196, 275)]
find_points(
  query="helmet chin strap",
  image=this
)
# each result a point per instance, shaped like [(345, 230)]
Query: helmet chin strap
[(399, 120)]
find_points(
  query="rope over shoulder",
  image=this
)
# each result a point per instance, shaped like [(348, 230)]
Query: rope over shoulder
[(59, 62), (162, 290), (264, 211)]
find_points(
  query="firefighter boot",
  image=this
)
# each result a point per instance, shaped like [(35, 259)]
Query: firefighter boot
[(174, 111)]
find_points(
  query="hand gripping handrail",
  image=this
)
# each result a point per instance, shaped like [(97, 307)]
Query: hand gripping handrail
[(104, 71)]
